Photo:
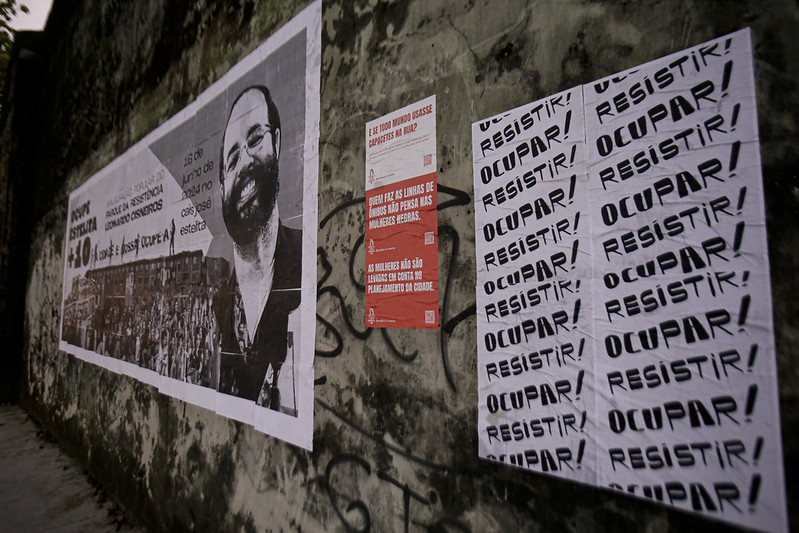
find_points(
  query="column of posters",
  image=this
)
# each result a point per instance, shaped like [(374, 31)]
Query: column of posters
[(533, 292), (401, 218), (679, 355), (182, 256)]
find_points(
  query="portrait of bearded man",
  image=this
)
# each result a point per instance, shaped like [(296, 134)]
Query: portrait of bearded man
[(252, 307)]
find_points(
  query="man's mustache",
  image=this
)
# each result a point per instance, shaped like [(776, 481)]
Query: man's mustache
[(262, 173), (253, 171)]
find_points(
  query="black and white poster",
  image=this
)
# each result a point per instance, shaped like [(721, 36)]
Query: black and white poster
[(190, 259), (646, 225), (534, 288)]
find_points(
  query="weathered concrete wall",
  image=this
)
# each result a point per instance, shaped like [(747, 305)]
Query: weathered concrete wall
[(395, 413), (15, 219)]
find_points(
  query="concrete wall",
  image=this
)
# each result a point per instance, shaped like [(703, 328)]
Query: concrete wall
[(395, 412)]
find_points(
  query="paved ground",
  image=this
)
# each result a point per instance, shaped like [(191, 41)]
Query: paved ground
[(43, 489)]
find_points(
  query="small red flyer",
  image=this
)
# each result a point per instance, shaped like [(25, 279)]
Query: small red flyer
[(401, 238)]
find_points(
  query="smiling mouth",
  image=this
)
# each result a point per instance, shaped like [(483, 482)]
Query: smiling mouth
[(247, 193)]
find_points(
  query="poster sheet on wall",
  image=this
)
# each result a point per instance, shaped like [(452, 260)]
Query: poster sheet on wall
[(625, 334), (401, 238), (190, 259)]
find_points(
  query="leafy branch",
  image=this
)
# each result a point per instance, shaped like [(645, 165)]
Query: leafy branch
[(8, 10)]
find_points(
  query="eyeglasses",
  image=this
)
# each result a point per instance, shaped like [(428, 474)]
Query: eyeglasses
[(253, 144)]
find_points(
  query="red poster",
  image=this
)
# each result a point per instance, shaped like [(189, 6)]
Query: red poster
[(401, 219)]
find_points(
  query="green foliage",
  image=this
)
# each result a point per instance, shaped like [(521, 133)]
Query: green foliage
[(8, 8)]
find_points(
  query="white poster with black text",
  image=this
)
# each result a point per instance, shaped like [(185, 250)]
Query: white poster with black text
[(624, 304)]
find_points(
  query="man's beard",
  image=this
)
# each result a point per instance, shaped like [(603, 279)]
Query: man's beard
[(246, 222)]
